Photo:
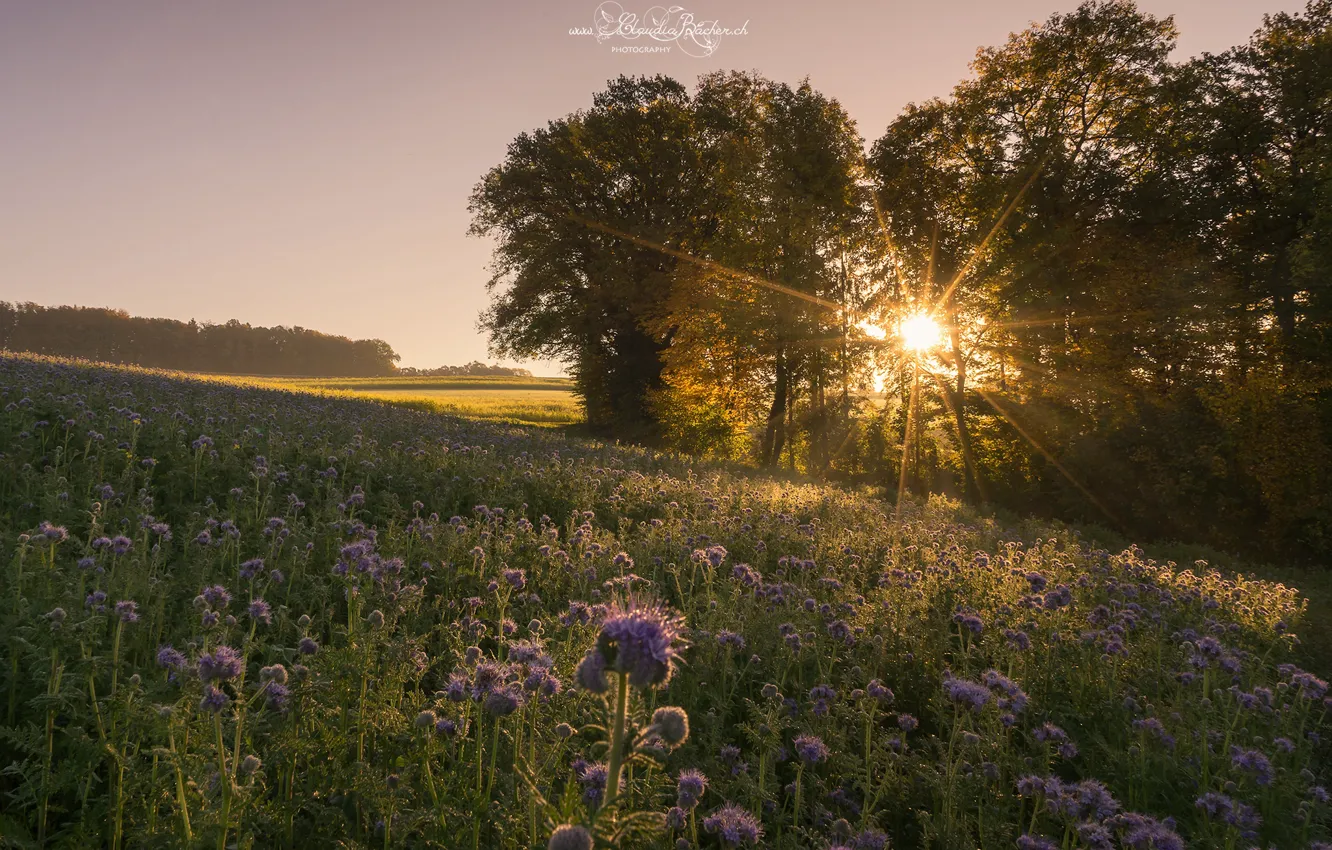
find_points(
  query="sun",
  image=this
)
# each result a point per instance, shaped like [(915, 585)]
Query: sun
[(920, 332)]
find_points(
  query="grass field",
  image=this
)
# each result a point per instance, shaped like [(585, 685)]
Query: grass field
[(529, 401)]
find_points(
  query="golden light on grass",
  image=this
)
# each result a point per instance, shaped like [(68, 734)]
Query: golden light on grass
[(920, 332)]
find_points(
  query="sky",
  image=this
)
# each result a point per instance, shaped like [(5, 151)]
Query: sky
[(308, 162)]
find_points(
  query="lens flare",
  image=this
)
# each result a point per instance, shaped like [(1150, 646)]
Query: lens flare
[(920, 332), (872, 330)]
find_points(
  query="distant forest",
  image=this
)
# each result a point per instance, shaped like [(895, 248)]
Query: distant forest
[(475, 369), (235, 347)]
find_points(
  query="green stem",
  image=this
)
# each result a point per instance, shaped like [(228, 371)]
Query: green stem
[(617, 739), (494, 751), (225, 779), (795, 814), (115, 657), (181, 800)]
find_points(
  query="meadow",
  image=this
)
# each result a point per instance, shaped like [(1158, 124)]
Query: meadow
[(530, 401), (545, 402), (245, 616)]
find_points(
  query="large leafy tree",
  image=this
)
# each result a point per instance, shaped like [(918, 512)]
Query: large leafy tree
[(1093, 292), (581, 211)]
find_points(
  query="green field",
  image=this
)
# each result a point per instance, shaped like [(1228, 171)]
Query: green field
[(530, 401)]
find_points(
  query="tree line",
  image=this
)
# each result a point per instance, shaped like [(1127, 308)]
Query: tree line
[(475, 369), (1130, 258), (234, 347)]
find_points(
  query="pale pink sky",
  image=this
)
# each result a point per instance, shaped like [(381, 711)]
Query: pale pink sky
[(308, 162)]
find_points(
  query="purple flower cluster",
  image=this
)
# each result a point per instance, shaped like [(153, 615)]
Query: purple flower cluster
[(222, 664), (734, 826), (811, 749), (639, 640), (964, 693)]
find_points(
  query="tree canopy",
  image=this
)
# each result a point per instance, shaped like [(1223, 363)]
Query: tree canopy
[(1128, 258)]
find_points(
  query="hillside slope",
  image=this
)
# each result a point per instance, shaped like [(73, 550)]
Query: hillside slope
[(298, 620)]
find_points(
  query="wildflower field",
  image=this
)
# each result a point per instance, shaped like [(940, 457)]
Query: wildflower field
[(237, 616)]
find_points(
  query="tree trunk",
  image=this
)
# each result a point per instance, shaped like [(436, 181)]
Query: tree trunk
[(774, 437), (971, 476)]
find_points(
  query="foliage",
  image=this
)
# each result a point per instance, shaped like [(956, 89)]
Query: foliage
[(1129, 256), (570, 209)]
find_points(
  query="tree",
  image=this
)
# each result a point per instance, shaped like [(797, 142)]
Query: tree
[(581, 211), (758, 323)]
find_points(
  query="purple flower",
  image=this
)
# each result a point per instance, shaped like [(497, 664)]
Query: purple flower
[(870, 839), (1030, 785), (127, 610), (876, 690), (728, 638), (592, 776), (671, 724), (1222, 808), (488, 676), (457, 687), (965, 693), (970, 622), (1014, 698), (1140, 832), (307, 646), (53, 533), (811, 749), (260, 612), (505, 700), (213, 700), (217, 596), (676, 817), (1094, 800), (517, 579), (276, 696), (1048, 732), (121, 544), (1310, 686), (168, 658), (689, 788), (733, 825), (1017, 639), (1154, 726), (223, 664), (639, 640), (1253, 762)]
